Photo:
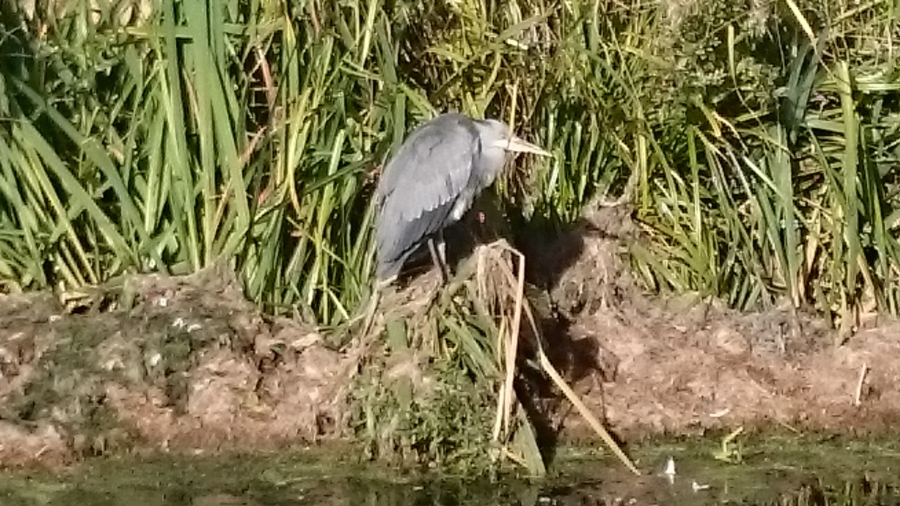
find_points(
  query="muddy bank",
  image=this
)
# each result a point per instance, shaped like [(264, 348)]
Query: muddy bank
[(186, 364), (684, 365)]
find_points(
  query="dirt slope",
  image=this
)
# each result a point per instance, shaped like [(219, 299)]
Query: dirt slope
[(187, 364)]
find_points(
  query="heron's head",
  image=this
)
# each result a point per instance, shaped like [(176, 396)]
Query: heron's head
[(495, 134)]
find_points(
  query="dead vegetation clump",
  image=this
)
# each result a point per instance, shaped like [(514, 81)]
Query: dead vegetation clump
[(480, 325)]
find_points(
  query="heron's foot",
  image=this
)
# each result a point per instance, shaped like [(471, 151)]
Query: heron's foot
[(445, 275), (437, 294), (434, 298)]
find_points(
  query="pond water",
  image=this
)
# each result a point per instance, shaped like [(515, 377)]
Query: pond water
[(771, 472)]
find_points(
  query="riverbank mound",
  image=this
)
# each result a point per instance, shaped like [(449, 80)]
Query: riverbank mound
[(187, 364)]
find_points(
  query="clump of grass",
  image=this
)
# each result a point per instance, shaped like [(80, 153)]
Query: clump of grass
[(450, 353), (439, 392), (445, 423), (764, 189)]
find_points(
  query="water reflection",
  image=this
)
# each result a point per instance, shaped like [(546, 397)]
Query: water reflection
[(802, 477), (349, 492)]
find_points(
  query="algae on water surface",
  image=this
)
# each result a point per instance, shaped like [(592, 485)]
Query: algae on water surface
[(776, 471)]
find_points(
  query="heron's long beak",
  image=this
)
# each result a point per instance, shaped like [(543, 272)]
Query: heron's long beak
[(522, 146)]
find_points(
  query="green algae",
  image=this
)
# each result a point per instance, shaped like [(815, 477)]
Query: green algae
[(784, 471)]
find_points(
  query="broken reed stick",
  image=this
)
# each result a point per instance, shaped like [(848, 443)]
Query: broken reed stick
[(513, 348), (498, 421), (585, 412), (859, 384)]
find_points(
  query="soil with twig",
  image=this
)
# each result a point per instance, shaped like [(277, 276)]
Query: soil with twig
[(187, 364), (685, 365)]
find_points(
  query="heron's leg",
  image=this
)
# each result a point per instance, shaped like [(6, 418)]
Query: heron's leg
[(434, 257), (442, 253), (438, 255)]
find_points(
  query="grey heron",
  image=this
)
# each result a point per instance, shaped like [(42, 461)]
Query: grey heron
[(431, 182)]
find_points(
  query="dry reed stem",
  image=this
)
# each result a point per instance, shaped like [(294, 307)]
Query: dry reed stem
[(520, 305), (857, 399), (585, 412), (498, 421)]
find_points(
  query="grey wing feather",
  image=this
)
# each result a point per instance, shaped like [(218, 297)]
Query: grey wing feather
[(420, 184)]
